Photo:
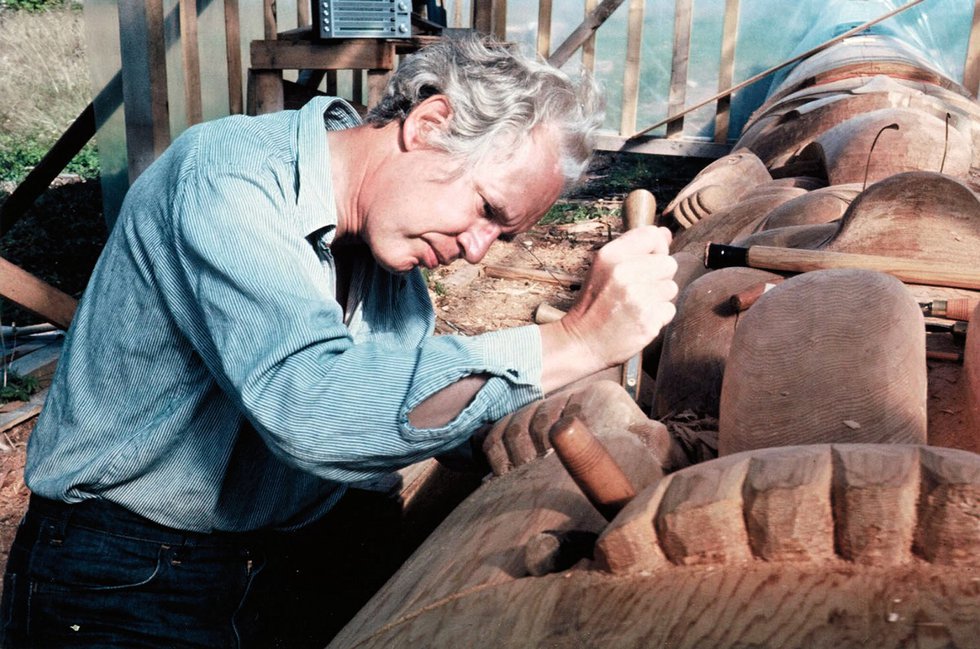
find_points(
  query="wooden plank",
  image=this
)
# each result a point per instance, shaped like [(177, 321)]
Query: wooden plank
[(270, 24), (376, 82), (23, 412), (726, 69), (631, 71), (482, 16), (331, 83), (265, 92), (588, 47), (500, 19), (303, 13), (583, 32), (233, 55), (608, 141), (354, 54), (35, 295), (157, 53), (678, 69), (971, 69), (532, 274), (187, 12), (544, 28)]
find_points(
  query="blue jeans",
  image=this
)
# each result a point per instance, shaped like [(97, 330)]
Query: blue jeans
[(96, 575)]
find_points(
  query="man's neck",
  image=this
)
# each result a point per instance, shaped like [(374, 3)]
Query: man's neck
[(354, 153)]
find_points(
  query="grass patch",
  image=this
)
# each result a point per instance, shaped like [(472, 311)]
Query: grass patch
[(20, 154), (564, 212), (16, 387)]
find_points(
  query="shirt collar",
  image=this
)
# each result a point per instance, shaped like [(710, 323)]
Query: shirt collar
[(315, 202)]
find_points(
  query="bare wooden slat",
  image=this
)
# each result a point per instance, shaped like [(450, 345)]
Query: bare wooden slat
[(608, 141), (678, 69), (588, 47), (631, 71), (265, 92), (500, 19), (726, 69), (35, 295), (191, 61), (331, 83), (353, 54), (376, 82), (483, 16), (303, 13), (544, 28), (269, 21), (971, 70), (765, 73), (233, 55), (583, 32)]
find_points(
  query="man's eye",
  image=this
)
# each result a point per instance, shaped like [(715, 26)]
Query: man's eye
[(506, 237)]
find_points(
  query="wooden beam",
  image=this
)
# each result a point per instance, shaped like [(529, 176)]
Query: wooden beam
[(544, 28), (726, 69), (583, 32), (631, 70), (303, 13), (780, 66), (608, 141), (971, 69), (187, 12), (376, 82), (500, 19), (588, 47), (270, 23), (483, 16), (353, 54), (233, 56), (144, 82), (35, 295), (683, 16)]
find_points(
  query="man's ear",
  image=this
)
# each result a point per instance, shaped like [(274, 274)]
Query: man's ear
[(430, 115)]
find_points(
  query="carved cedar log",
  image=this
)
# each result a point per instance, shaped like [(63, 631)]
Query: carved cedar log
[(739, 551), (809, 366)]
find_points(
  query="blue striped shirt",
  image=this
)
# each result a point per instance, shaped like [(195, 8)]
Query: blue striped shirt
[(211, 381)]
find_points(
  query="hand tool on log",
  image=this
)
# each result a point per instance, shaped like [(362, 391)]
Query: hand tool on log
[(795, 260), (639, 209), (591, 466)]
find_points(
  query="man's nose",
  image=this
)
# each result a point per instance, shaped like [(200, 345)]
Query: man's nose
[(477, 240)]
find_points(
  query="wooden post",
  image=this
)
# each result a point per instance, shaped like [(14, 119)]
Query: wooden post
[(233, 55), (971, 69), (187, 11), (544, 28), (631, 72), (145, 101), (678, 68), (726, 70), (376, 82), (483, 16), (500, 19), (588, 48), (303, 13), (265, 91)]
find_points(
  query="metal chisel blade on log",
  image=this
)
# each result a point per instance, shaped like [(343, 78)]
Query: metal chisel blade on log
[(794, 260)]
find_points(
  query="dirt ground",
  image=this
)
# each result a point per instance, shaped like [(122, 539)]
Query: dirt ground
[(60, 238)]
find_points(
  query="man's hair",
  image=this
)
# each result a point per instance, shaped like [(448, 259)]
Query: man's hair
[(498, 96)]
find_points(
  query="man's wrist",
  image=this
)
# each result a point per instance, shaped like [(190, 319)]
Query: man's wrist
[(566, 356)]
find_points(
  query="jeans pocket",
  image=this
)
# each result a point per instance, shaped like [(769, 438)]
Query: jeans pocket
[(87, 560)]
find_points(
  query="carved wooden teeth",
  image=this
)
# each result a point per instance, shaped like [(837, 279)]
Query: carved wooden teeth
[(868, 504)]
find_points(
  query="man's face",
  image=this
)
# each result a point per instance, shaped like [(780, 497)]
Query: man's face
[(425, 213)]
